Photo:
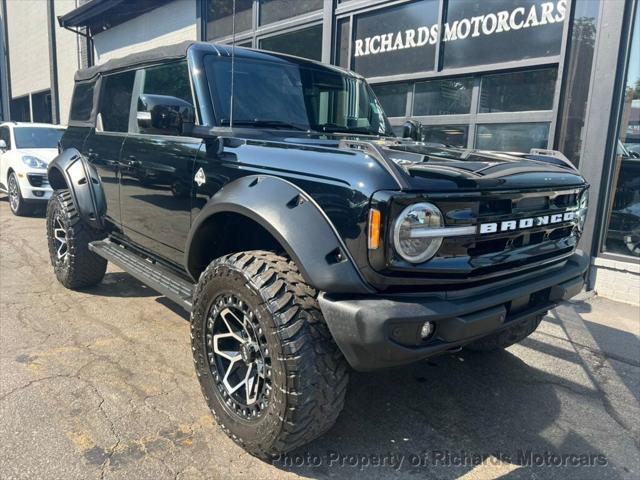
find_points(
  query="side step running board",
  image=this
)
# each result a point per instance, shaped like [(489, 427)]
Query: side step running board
[(151, 274)]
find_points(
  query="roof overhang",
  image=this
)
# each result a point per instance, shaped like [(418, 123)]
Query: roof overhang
[(99, 15)]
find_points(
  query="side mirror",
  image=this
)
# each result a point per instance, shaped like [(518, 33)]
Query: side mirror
[(164, 115), (3, 146), (411, 129)]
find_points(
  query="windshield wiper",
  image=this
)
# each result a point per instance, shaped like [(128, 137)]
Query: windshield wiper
[(267, 123), (334, 128)]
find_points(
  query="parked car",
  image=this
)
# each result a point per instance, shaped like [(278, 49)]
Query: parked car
[(25, 152), (311, 238)]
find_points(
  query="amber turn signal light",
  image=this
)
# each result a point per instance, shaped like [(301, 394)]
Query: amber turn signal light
[(374, 229)]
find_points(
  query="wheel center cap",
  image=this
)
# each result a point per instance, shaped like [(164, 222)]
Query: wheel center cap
[(248, 353)]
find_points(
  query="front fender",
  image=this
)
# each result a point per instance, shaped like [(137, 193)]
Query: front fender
[(73, 171), (296, 221)]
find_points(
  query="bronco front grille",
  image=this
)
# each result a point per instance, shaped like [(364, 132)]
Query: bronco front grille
[(474, 256)]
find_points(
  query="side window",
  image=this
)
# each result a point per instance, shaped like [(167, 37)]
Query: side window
[(115, 101), (165, 104), (5, 135), (82, 102)]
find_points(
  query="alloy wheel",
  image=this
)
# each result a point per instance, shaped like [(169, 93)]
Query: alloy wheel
[(14, 193), (60, 239), (238, 355)]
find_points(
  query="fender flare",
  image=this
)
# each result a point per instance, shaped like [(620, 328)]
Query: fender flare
[(72, 170), (296, 221)]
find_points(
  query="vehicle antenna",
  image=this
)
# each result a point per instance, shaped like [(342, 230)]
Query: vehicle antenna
[(233, 58)]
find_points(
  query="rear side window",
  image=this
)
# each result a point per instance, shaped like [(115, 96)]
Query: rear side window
[(82, 103), (115, 101)]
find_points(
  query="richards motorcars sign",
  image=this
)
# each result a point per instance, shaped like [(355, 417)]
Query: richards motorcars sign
[(403, 39)]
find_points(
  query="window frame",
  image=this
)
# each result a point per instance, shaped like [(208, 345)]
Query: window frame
[(138, 89), (103, 85), (606, 196), (298, 28)]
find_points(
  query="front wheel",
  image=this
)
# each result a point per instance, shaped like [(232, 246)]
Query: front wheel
[(16, 201), (68, 238), (267, 364)]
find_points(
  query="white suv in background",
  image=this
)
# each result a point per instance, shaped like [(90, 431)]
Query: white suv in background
[(25, 151)]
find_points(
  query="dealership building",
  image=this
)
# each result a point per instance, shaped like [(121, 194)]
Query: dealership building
[(507, 75)]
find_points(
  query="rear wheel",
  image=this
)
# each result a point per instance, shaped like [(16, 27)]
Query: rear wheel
[(268, 367), (68, 238), (16, 202), (508, 336)]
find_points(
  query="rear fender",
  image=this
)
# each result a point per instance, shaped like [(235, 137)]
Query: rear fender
[(71, 170)]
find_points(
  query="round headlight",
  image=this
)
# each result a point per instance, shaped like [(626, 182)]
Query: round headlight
[(411, 235)]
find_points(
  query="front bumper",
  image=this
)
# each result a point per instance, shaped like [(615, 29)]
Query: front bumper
[(34, 187), (377, 331)]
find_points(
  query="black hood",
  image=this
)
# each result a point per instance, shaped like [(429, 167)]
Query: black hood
[(434, 167), (443, 167)]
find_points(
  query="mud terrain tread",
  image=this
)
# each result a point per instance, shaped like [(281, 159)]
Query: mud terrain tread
[(84, 267), (316, 371)]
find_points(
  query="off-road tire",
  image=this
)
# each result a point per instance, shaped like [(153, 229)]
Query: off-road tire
[(80, 268), (508, 336), (309, 374), (17, 203)]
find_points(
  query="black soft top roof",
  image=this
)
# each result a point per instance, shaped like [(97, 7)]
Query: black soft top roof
[(168, 52), (179, 50)]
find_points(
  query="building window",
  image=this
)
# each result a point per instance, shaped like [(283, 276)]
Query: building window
[(443, 97), (393, 98), (456, 135), (274, 10), (41, 106), (478, 111), (512, 137), (342, 43), (20, 110), (518, 91), (306, 42), (577, 78), (220, 17), (623, 215)]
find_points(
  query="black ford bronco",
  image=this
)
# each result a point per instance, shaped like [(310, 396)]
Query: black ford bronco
[(268, 196)]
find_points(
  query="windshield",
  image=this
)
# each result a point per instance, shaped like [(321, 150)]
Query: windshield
[(278, 95), (37, 137)]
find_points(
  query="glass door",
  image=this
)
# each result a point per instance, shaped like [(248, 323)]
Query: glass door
[(623, 212)]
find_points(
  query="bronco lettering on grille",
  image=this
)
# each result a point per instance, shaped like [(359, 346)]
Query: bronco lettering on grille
[(523, 223)]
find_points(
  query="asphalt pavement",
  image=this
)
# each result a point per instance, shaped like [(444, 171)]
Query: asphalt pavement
[(101, 384)]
